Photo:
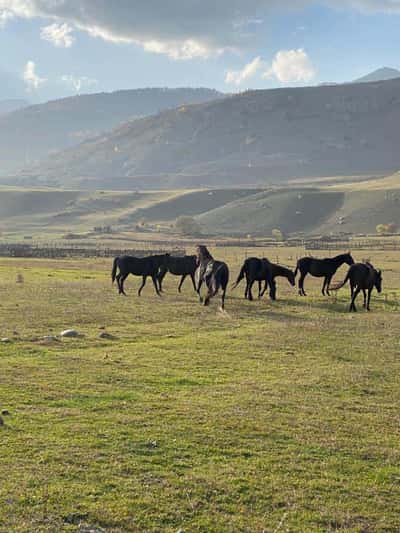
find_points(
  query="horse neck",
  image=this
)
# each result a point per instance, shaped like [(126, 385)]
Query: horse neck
[(282, 271), (339, 259), (205, 256)]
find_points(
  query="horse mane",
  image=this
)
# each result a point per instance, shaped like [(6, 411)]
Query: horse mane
[(203, 253)]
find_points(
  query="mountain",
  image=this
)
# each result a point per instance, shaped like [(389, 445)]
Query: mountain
[(32, 133), (381, 74), (252, 138), (7, 106)]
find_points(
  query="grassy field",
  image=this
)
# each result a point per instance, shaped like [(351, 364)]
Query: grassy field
[(270, 417)]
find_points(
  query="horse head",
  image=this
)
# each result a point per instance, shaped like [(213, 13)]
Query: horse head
[(378, 280), (348, 259), (291, 278)]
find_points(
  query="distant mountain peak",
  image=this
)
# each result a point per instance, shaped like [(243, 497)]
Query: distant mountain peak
[(381, 74)]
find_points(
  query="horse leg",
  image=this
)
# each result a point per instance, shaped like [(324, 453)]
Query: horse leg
[(352, 305), (193, 281), (249, 293), (369, 299), (272, 291), (264, 289), (118, 277), (154, 278), (259, 289), (301, 284), (121, 284), (181, 282), (198, 290), (142, 285), (365, 298), (328, 280)]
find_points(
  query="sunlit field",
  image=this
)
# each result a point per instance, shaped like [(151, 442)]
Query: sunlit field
[(271, 416)]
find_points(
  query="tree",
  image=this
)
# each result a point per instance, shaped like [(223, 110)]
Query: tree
[(188, 226), (386, 228), (277, 234)]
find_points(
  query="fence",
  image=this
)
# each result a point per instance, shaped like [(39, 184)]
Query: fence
[(57, 252)]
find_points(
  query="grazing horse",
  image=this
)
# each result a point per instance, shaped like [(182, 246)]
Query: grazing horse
[(363, 277), (138, 266), (321, 268), (277, 271), (179, 266), (215, 274), (255, 269)]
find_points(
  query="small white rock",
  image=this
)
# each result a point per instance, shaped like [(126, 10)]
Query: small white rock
[(50, 338), (69, 333), (5, 340)]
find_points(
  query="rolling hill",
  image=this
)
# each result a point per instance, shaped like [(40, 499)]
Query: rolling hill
[(252, 138), (356, 207), (381, 74), (32, 133)]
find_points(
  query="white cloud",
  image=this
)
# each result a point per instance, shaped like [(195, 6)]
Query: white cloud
[(58, 34), (291, 66), (31, 78), (237, 77), (178, 29), (78, 83)]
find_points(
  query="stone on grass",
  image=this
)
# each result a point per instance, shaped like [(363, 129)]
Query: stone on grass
[(50, 338), (69, 333), (5, 340), (105, 335)]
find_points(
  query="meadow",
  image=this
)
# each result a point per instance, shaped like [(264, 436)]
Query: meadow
[(272, 416)]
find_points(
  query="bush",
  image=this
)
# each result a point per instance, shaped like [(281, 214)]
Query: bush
[(188, 226), (278, 234), (386, 228)]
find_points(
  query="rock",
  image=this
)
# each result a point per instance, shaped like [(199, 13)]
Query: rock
[(50, 338), (105, 335), (5, 412), (69, 333), (5, 340)]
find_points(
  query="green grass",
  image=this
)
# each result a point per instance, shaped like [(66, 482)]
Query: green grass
[(269, 417)]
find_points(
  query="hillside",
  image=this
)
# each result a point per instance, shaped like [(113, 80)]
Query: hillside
[(12, 104), (34, 132), (380, 74), (251, 138)]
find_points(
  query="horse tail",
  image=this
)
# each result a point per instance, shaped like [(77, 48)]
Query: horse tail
[(241, 276), (340, 285), (114, 269), (297, 269)]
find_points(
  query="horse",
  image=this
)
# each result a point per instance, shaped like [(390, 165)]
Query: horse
[(215, 274), (255, 269), (363, 277), (179, 266), (277, 271), (138, 266), (321, 268)]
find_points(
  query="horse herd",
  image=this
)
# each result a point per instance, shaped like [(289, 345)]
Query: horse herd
[(202, 268)]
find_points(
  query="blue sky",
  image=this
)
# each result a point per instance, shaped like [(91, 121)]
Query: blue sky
[(55, 49)]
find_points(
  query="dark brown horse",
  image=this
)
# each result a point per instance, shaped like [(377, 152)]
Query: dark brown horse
[(255, 269), (215, 274), (138, 266), (321, 268), (179, 266), (363, 277)]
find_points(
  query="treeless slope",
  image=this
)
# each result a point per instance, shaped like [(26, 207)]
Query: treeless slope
[(250, 137), (34, 132)]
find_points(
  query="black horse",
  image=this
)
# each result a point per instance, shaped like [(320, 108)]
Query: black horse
[(179, 266), (255, 269), (277, 271), (363, 277), (215, 274), (320, 268), (138, 266)]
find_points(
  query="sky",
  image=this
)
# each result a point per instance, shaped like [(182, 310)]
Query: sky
[(55, 48)]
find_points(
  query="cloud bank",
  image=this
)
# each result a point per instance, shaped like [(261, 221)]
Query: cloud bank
[(180, 30)]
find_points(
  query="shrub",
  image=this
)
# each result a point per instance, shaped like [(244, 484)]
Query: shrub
[(188, 226)]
